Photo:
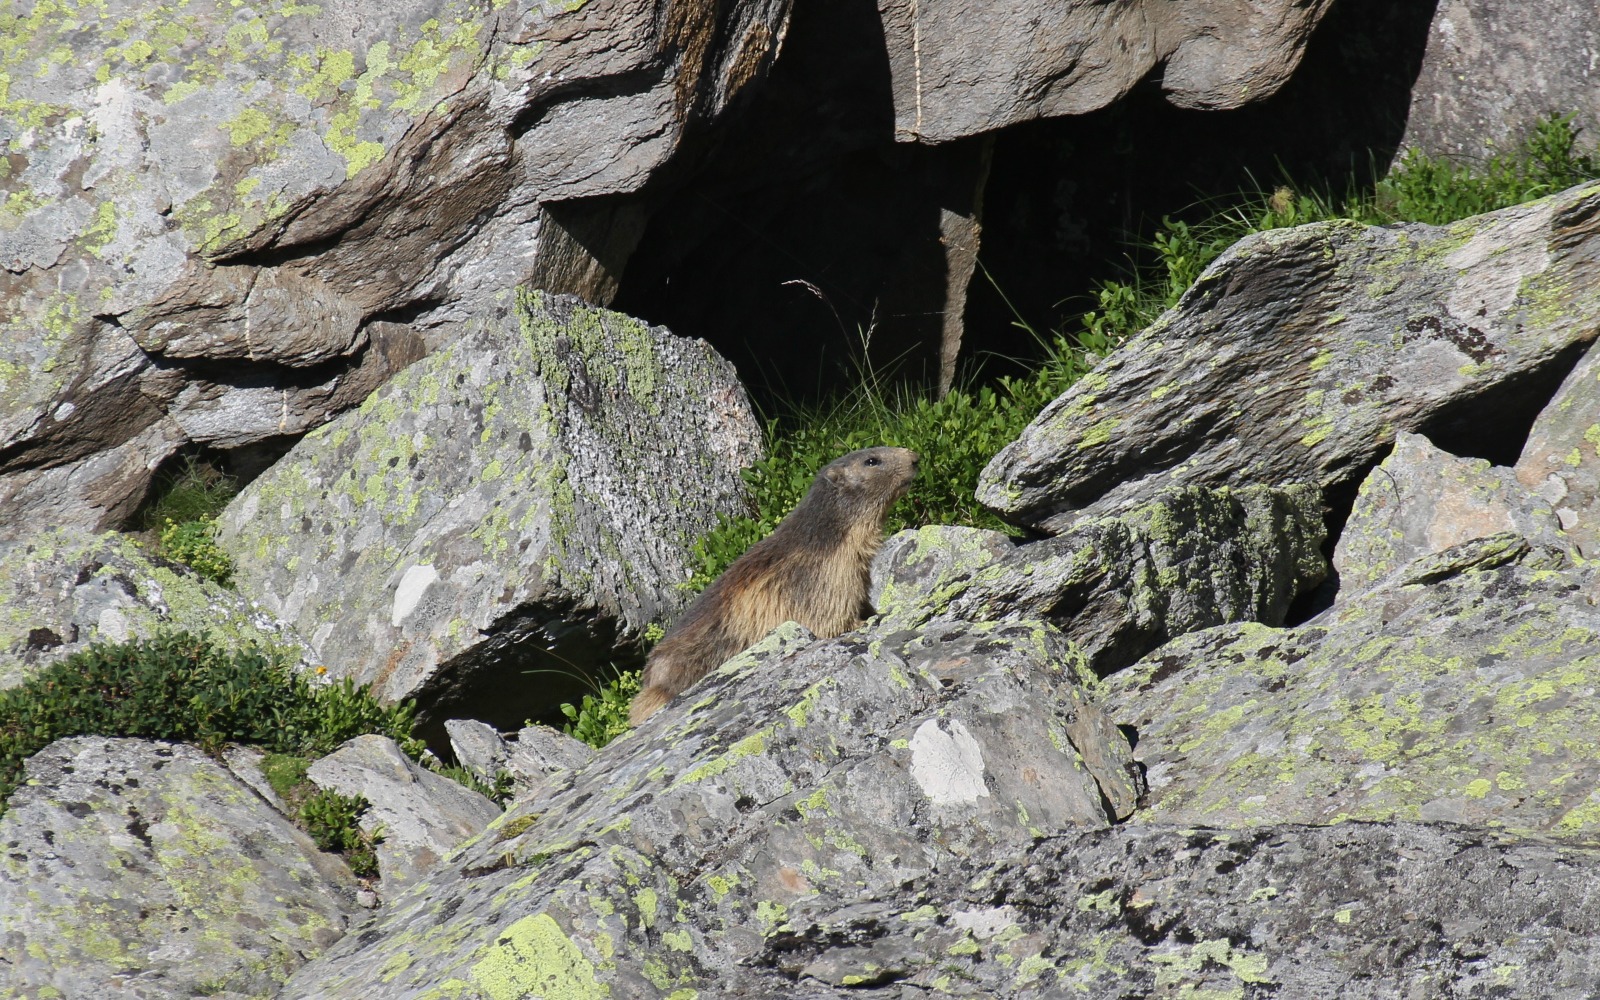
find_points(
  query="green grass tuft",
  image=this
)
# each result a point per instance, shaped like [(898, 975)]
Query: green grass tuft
[(603, 716)]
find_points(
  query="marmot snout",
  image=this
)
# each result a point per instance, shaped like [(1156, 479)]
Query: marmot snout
[(812, 569)]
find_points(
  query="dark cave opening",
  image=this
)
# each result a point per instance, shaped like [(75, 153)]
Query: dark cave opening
[(803, 242)]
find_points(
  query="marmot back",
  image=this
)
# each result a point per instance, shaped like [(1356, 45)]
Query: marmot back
[(812, 569)]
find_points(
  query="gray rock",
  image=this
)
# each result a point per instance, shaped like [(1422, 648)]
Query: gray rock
[(419, 815), (960, 69), (502, 516), (538, 758), (1493, 67), (62, 589), (1118, 586), (1359, 910), (1561, 460), (1462, 690), (800, 775), (146, 870), (1421, 500), (210, 211), (1300, 353)]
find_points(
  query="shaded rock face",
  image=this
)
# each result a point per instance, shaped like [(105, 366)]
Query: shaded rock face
[(800, 773), (213, 219), (1300, 353), (63, 589), (599, 449), (1493, 67), (147, 870), (1118, 587), (1561, 460)]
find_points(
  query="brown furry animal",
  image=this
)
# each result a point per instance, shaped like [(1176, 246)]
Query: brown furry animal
[(812, 569)]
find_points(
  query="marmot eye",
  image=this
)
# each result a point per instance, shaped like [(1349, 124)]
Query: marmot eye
[(872, 461)]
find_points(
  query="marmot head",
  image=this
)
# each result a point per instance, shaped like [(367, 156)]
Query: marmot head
[(872, 476)]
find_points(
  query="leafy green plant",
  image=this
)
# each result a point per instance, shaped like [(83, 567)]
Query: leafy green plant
[(499, 790), (603, 716), (194, 543), (179, 686), (333, 822)]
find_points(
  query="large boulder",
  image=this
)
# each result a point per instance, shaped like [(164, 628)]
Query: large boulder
[(1561, 459), (223, 225), (63, 589), (146, 870), (1300, 353), (492, 525), (964, 68), (1493, 67), (801, 775)]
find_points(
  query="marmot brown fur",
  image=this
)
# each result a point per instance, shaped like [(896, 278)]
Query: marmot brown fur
[(812, 569)]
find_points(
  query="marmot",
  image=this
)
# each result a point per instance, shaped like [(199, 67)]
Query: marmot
[(812, 569)]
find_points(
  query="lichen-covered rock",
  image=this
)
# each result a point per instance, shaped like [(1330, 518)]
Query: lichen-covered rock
[(537, 758), (62, 589), (1561, 460), (1118, 586), (962, 68), (1421, 500), (501, 516), (1300, 353), (799, 776), (1462, 690), (213, 217), (419, 815), (146, 870), (1358, 911)]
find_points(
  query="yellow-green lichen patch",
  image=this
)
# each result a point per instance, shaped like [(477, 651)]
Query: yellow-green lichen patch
[(535, 957)]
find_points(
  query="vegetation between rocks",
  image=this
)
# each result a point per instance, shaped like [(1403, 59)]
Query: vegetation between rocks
[(180, 686), (183, 514)]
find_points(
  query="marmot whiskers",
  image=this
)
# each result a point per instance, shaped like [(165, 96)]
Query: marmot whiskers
[(812, 569)]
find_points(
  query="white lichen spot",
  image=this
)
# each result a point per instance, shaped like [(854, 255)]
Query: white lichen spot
[(947, 763), (113, 625), (408, 595)]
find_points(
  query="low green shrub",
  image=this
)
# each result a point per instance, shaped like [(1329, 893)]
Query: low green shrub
[(194, 490), (179, 686), (603, 716), (194, 543), (333, 822)]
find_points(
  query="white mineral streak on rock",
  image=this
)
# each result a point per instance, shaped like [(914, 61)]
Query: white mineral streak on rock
[(947, 763), (413, 584)]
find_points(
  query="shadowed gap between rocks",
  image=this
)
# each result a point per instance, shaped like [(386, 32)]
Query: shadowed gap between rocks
[(528, 664), (1493, 426)]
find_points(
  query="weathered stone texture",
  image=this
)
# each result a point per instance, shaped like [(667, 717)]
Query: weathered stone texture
[(146, 870), (503, 515), (1300, 353), (1561, 460)]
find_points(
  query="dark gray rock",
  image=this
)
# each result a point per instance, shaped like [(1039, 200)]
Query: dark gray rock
[(146, 870), (503, 515), (1117, 586), (1300, 353)]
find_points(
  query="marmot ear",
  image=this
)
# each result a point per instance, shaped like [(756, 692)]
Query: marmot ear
[(835, 473)]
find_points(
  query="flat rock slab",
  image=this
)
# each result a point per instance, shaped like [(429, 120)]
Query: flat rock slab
[(1359, 911), (800, 775), (1421, 500), (420, 815), (538, 758), (1300, 353), (1462, 690), (136, 869), (1561, 460), (1117, 586), (63, 589), (504, 515)]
